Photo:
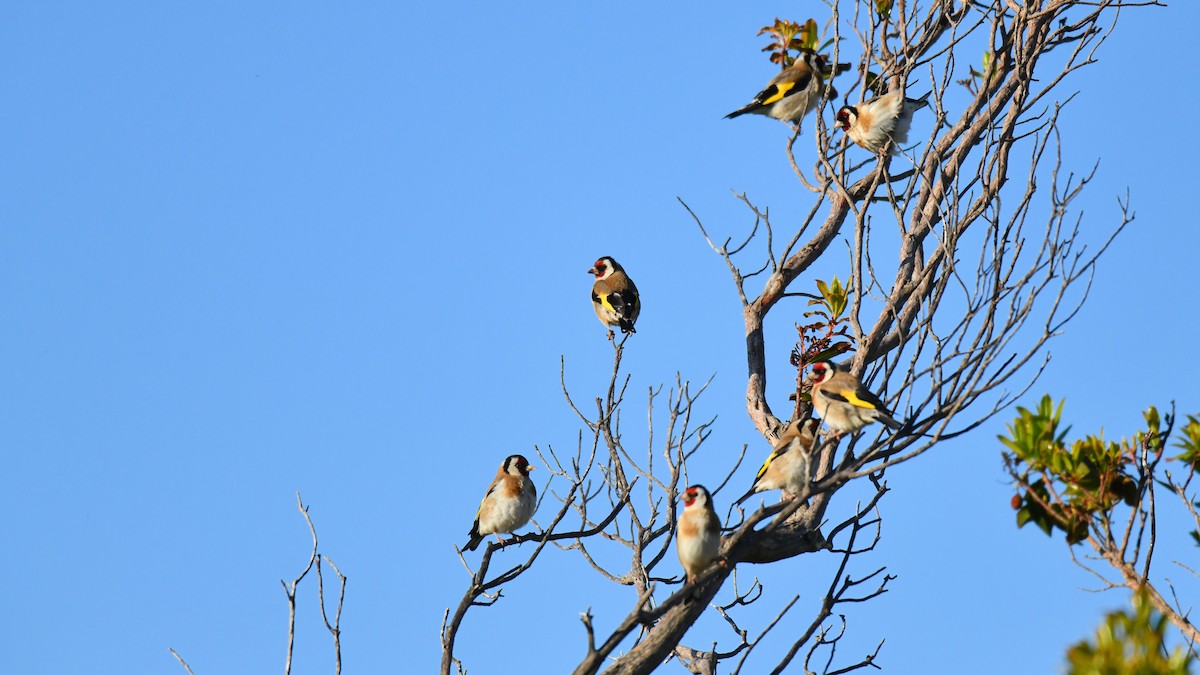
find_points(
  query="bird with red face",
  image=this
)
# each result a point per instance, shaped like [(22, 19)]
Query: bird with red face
[(698, 532), (842, 401), (508, 504), (614, 296), (872, 124)]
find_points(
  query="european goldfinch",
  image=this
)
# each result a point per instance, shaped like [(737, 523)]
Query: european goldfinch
[(508, 504), (698, 533), (875, 122), (791, 94), (788, 467), (614, 297), (842, 401)]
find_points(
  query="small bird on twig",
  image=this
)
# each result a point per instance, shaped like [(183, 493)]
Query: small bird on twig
[(791, 94), (508, 504), (698, 533), (789, 466), (614, 296), (879, 120), (842, 401)]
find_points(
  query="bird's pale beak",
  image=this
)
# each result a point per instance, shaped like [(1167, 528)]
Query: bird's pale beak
[(531, 468), (592, 271)]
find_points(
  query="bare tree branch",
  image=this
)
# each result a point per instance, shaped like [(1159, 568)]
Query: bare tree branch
[(290, 590), (181, 661), (964, 255)]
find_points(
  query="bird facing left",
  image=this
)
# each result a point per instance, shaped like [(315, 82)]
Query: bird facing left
[(876, 123), (508, 504), (843, 403), (614, 296)]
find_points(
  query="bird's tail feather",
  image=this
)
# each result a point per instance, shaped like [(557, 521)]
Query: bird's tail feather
[(888, 420), (742, 111), (475, 538)]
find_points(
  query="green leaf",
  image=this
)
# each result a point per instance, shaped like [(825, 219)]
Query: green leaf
[(1077, 533), (1127, 489), (1044, 524), (808, 35), (1152, 418), (874, 82), (1130, 642), (1189, 441), (1037, 515), (834, 350), (1011, 445), (1024, 516)]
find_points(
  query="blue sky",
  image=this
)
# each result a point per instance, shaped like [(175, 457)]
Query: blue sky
[(250, 250)]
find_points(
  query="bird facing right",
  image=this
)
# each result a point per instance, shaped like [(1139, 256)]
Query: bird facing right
[(879, 120), (508, 504), (842, 401), (791, 94), (789, 466), (698, 533)]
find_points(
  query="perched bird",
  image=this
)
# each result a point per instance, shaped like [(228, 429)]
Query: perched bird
[(698, 533), (789, 466), (791, 94), (614, 297), (842, 401), (508, 504), (875, 122)]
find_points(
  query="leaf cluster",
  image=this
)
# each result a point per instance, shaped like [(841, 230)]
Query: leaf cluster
[(979, 78), (789, 36), (1065, 485), (827, 338), (1129, 642), (1189, 442)]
